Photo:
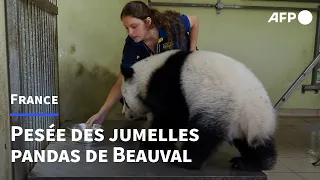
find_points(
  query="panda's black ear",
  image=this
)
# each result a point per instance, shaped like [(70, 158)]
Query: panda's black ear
[(127, 72)]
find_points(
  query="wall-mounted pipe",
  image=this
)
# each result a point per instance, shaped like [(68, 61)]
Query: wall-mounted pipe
[(219, 6), (301, 1)]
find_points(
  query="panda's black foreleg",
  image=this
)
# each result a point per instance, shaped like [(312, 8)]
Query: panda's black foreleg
[(261, 157), (160, 122), (199, 151)]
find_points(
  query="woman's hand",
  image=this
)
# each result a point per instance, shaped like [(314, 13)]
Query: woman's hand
[(96, 119)]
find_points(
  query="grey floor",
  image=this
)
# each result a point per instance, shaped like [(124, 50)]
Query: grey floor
[(298, 141)]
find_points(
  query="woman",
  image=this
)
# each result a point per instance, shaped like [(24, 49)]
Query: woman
[(149, 32)]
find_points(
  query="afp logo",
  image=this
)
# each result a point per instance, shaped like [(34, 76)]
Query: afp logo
[(304, 17)]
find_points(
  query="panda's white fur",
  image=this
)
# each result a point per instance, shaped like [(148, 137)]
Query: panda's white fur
[(212, 83), (209, 79)]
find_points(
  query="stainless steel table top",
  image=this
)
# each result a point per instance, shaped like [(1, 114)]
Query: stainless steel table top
[(217, 168)]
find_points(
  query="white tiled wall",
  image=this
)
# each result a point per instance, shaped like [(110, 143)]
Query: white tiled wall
[(299, 112)]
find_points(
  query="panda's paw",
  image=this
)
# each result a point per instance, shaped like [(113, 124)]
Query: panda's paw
[(244, 164), (187, 165)]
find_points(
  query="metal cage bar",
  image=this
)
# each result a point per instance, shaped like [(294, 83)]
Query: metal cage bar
[(31, 27)]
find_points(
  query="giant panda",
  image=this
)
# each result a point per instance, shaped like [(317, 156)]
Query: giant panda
[(211, 92)]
